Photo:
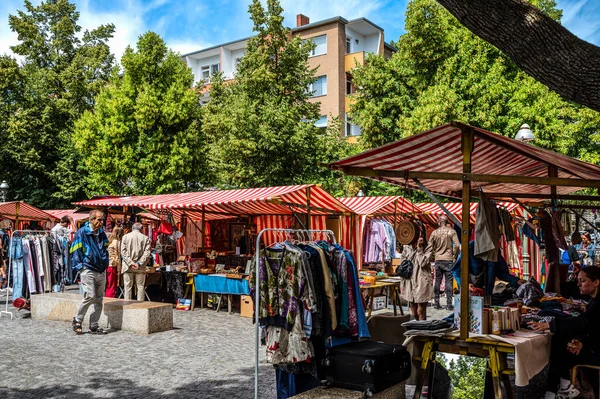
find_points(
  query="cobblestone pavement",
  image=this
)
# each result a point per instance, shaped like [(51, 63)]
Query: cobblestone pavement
[(207, 355)]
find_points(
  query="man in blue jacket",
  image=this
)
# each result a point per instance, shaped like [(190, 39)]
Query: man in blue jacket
[(89, 256)]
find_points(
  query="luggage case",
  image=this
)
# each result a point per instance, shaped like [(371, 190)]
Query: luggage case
[(367, 366)]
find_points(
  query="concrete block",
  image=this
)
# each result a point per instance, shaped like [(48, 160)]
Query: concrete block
[(394, 392), (119, 314)]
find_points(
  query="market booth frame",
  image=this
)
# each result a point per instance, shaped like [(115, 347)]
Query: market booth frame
[(456, 160)]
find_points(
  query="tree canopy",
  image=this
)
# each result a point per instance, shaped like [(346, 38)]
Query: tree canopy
[(59, 74), (260, 126), (144, 135), (443, 72)]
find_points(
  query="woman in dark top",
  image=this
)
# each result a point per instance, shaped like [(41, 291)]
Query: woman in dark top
[(575, 340)]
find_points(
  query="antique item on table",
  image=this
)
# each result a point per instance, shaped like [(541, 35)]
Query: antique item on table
[(196, 265)]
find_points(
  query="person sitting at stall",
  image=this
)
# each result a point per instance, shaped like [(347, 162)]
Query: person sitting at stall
[(418, 289), (494, 270), (575, 340)]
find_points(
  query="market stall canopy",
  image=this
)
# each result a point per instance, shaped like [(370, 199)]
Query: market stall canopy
[(431, 211), (71, 213), (500, 166), (283, 200), (23, 211), (379, 205)]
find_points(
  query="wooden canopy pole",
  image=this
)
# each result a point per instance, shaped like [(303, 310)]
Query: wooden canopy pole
[(17, 208), (308, 208), (467, 150), (437, 201), (203, 226), (395, 214)]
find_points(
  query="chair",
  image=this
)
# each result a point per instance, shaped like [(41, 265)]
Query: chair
[(387, 328), (576, 368)]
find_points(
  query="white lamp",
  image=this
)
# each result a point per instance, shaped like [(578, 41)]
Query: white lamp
[(525, 134)]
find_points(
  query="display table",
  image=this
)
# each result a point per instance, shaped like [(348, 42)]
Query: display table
[(220, 284), (395, 392), (531, 350), (393, 292)]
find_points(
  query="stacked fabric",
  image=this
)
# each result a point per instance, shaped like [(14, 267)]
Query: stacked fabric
[(427, 327)]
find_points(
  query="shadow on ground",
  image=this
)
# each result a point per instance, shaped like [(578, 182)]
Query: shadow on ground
[(103, 387)]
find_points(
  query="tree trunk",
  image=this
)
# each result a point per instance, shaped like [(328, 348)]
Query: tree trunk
[(537, 44)]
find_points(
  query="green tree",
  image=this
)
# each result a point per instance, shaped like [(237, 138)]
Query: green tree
[(443, 72), (260, 127), (144, 135), (40, 98), (467, 374)]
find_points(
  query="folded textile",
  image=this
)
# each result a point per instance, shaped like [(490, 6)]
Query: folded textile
[(426, 325), (438, 333)]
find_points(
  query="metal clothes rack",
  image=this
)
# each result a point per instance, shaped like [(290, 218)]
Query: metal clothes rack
[(329, 233), (5, 311)]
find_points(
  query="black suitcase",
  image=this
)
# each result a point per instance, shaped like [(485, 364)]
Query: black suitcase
[(367, 366)]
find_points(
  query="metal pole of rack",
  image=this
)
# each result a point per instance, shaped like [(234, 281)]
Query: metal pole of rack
[(5, 311), (257, 289)]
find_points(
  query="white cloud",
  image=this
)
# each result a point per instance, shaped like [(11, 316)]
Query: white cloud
[(582, 18), (317, 10)]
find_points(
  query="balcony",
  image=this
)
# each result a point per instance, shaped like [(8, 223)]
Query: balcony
[(353, 58)]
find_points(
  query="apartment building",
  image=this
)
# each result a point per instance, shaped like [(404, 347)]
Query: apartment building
[(340, 45)]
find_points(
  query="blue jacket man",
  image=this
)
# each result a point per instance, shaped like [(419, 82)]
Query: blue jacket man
[(90, 257), (494, 270)]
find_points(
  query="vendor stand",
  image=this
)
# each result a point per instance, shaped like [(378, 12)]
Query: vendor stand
[(220, 219), (456, 160)]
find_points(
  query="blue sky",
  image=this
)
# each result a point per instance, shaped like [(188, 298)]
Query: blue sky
[(189, 25)]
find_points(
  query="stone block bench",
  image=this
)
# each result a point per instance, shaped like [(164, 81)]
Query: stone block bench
[(119, 314)]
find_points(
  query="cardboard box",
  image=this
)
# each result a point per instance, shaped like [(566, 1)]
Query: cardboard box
[(476, 321), (379, 302), (246, 306)]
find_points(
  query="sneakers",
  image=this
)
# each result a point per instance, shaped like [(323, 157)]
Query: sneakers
[(437, 306), (97, 330), (449, 307), (77, 326), (568, 393)]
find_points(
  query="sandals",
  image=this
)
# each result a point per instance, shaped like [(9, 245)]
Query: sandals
[(77, 326)]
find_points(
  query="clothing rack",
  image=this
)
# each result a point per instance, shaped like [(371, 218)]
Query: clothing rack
[(329, 233), (35, 232)]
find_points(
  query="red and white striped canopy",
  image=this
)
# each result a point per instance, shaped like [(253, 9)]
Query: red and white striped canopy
[(432, 211), (253, 201), (8, 210), (439, 150), (378, 205), (59, 213)]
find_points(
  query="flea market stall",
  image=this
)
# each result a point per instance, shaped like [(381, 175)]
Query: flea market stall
[(217, 229), (464, 162)]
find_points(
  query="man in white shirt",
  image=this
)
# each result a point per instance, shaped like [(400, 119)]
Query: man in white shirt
[(135, 253), (62, 228)]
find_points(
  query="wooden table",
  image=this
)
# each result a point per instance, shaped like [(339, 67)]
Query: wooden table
[(474, 346), (393, 292)]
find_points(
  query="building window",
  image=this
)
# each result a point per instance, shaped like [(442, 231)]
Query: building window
[(320, 45), (321, 122), (208, 70), (319, 87), (351, 129), (348, 44), (349, 85)]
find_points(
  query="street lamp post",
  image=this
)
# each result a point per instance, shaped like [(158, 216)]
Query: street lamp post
[(3, 190), (526, 135)]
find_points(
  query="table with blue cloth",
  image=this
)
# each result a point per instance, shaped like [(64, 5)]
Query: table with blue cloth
[(220, 284)]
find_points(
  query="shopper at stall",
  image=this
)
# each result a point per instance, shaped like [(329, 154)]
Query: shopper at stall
[(89, 257), (62, 228), (575, 339), (135, 252), (586, 248), (444, 244), (418, 289), (114, 262)]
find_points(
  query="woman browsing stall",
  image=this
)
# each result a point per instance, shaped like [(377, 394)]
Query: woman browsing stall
[(114, 262), (575, 340), (418, 289)]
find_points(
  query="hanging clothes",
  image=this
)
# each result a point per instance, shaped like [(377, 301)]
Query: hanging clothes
[(487, 233)]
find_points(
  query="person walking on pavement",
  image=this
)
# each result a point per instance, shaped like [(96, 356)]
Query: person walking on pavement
[(89, 257), (135, 252), (444, 244)]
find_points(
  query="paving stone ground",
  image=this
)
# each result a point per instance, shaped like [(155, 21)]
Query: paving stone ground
[(207, 355)]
